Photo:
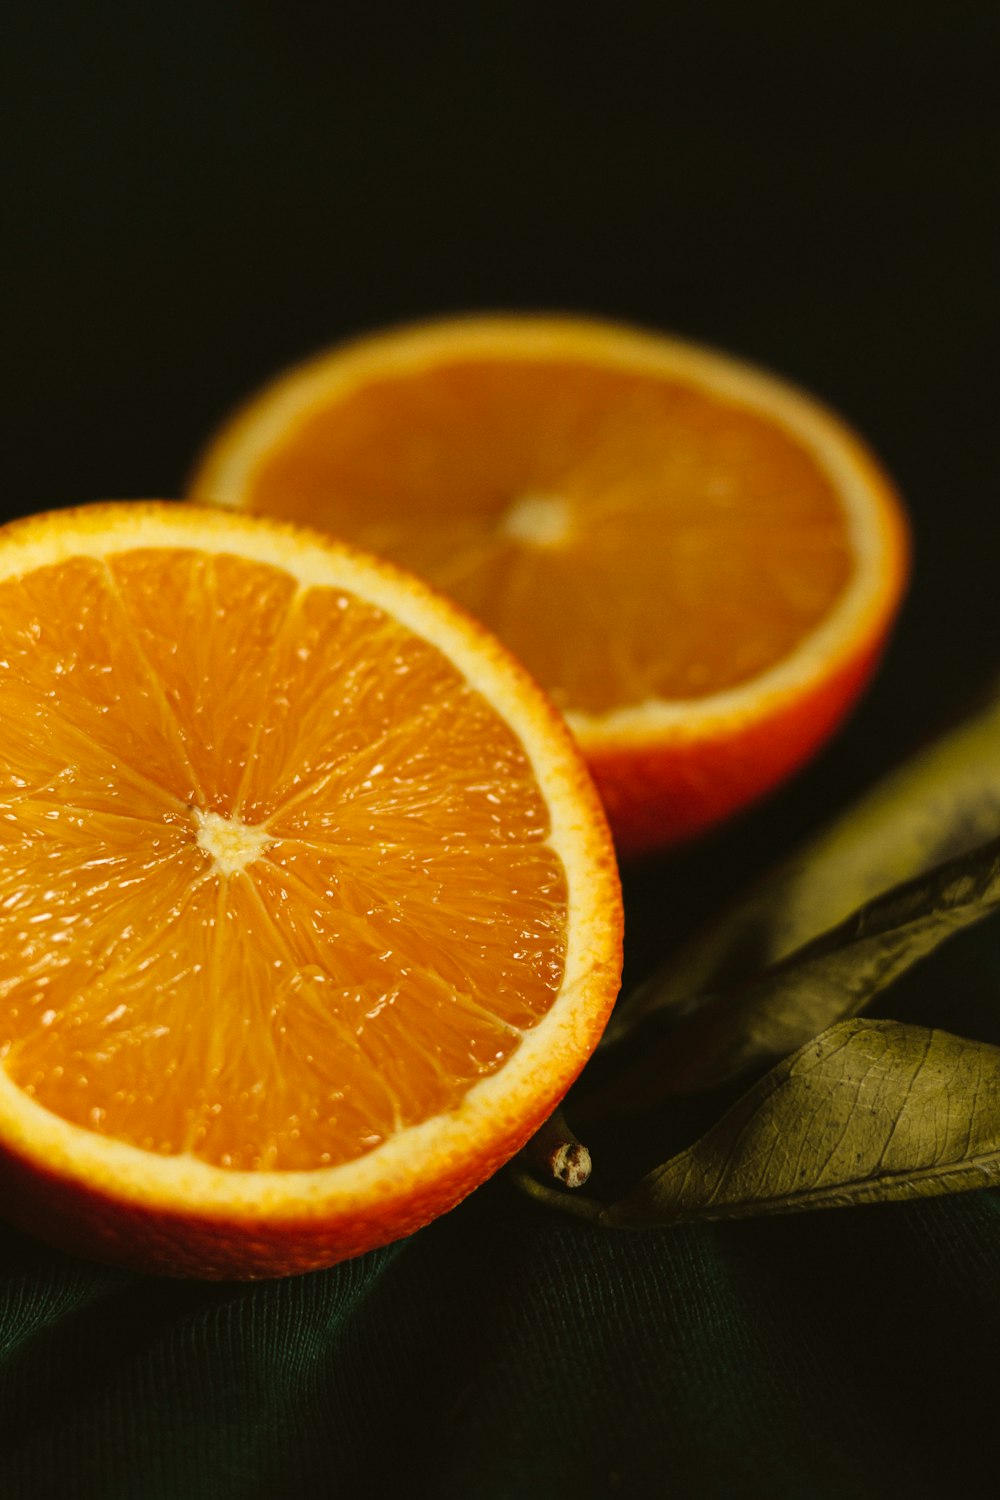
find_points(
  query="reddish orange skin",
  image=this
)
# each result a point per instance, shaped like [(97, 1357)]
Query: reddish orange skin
[(660, 795), (163, 1242), (88, 1221)]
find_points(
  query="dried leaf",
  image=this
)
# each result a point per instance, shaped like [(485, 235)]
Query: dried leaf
[(832, 978), (871, 1111), (943, 801)]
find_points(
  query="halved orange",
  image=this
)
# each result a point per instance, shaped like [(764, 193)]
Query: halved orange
[(698, 562), (308, 908)]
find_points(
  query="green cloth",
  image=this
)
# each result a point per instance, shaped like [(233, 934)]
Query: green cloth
[(504, 1352)]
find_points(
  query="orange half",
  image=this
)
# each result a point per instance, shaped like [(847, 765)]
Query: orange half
[(308, 908), (697, 561)]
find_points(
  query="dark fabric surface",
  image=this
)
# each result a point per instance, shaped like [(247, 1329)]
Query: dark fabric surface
[(503, 1352), (197, 195)]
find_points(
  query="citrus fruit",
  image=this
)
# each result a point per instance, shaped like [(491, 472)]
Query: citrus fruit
[(308, 907), (698, 562)]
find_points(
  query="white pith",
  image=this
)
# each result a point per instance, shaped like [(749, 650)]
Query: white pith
[(537, 520), (230, 843)]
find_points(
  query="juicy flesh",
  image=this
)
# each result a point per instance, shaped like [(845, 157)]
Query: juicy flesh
[(628, 536), (274, 879)]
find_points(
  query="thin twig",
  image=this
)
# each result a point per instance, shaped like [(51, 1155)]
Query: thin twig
[(556, 1155)]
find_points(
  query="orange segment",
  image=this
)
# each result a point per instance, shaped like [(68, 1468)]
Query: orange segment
[(679, 547), (573, 505), (294, 863)]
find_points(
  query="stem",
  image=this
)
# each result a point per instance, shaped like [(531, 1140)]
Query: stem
[(556, 1155), (577, 1204)]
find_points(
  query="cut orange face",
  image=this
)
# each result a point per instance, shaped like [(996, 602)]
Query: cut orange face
[(698, 563), (308, 908)]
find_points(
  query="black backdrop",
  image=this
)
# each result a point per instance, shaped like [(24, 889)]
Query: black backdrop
[(198, 194)]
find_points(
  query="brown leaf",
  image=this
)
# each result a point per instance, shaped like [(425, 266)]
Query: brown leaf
[(943, 801), (871, 1111), (832, 978)]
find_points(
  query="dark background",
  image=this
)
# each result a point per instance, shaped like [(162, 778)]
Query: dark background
[(196, 195)]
